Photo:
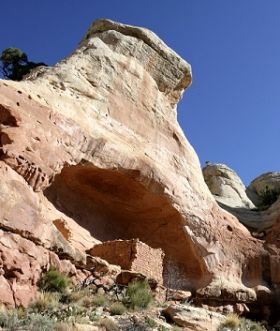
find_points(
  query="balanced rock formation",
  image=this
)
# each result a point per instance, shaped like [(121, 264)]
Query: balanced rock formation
[(91, 151), (226, 186)]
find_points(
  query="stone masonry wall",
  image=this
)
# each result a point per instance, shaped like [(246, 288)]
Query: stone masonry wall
[(132, 255)]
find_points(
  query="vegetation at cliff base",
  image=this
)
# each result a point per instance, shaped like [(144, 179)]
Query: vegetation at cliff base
[(54, 281), (139, 294), (15, 64)]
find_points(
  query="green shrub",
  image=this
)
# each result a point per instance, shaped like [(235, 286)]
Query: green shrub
[(268, 196), (54, 281), (14, 64), (117, 308), (151, 323), (99, 300), (138, 294)]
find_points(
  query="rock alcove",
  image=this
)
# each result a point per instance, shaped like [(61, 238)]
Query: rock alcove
[(114, 204)]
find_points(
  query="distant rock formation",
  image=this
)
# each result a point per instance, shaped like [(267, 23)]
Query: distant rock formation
[(230, 193), (269, 180), (91, 151), (226, 186)]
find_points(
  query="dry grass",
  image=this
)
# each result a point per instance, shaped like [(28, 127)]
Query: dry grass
[(109, 325), (44, 301), (99, 300), (117, 308), (232, 322)]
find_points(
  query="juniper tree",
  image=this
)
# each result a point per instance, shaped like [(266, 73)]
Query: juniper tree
[(15, 64)]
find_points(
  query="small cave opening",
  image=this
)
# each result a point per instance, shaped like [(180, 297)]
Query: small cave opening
[(115, 204)]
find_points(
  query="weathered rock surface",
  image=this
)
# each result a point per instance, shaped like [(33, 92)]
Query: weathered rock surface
[(91, 151), (270, 180), (229, 191), (264, 224), (21, 264), (194, 318), (226, 186)]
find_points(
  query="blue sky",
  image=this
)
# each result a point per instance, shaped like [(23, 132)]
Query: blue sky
[(230, 114)]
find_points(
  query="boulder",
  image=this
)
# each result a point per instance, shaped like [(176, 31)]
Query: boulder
[(226, 186), (269, 180), (229, 191), (193, 318), (178, 295)]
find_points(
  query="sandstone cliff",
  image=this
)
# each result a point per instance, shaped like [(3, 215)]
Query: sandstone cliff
[(91, 151)]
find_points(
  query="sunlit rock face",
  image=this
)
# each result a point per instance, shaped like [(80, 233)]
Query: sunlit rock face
[(226, 186), (94, 143), (256, 206)]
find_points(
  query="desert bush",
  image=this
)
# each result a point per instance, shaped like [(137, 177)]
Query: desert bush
[(9, 320), (99, 300), (138, 294), (13, 321), (35, 322), (54, 281), (68, 313), (151, 322), (117, 308), (248, 325), (80, 295), (44, 301), (109, 324), (268, 196), (63, 326), (94, 316), (232, 322)]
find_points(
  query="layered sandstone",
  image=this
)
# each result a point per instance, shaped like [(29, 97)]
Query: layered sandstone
[(95, 147)]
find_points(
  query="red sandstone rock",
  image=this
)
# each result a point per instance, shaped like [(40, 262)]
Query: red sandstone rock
[(125, 277), (177, 295), (193, 318), (90, 151)]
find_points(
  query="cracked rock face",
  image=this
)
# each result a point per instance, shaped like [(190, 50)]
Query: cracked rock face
[(94, 147)]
